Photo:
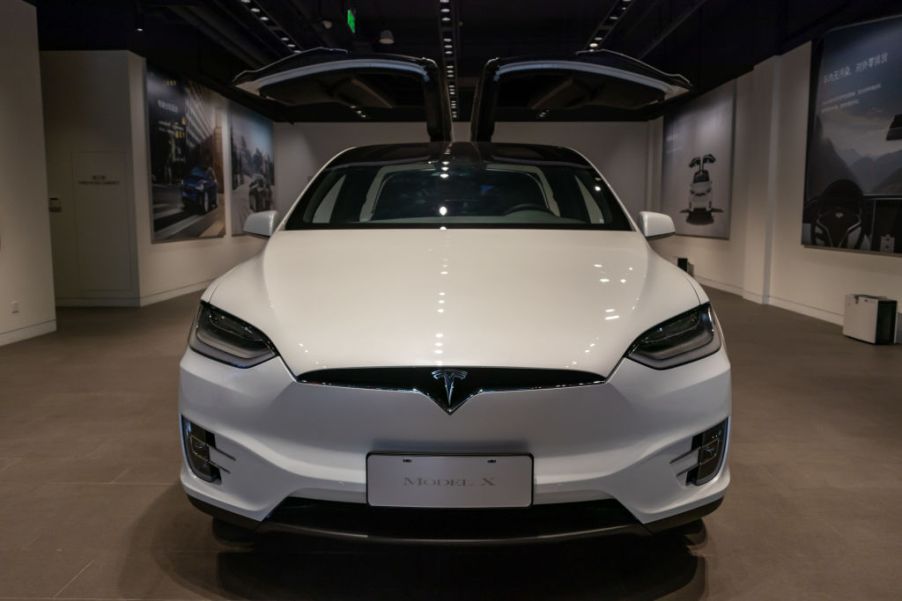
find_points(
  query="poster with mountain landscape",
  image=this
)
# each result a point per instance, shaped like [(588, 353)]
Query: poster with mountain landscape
[(853, 188)]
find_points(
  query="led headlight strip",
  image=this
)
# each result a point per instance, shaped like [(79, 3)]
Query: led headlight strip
[(225, 338), (687, 337)]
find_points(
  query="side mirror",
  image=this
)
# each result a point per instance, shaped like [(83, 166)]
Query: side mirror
[(656, 225), (261, 224)]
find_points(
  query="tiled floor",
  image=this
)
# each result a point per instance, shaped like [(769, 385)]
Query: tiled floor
[(90, 507)]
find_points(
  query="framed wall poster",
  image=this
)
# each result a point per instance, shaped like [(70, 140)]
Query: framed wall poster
[(853, 176), (253, 177), (697, 165), (186, 159)]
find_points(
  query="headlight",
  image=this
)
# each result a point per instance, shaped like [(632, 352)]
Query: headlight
[(684, 338), (225, 338)]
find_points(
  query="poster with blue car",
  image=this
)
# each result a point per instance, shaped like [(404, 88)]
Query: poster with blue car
[(186, 159)]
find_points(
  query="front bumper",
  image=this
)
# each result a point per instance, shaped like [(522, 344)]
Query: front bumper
[(625, 442), (540, 523)]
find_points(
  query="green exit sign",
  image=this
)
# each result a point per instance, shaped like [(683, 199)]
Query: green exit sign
[(352, 21)]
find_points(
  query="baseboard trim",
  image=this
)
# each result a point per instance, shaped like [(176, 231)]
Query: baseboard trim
[(159, 297), (97, 302), (19, 334), (782, 303), (719, 285), (131, 301)]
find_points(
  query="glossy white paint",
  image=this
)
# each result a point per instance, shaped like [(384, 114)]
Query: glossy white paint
[(456, 297), (616, 439), (261, 224), (468, 297), (656, 225)]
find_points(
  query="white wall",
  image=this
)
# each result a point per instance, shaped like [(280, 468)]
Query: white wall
[(86, 116), (169, 269), (764, 259), (26, 275), (809, 280), (96, 113), (619, 150)]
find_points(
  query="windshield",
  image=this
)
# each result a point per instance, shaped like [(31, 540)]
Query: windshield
[(458, 193)]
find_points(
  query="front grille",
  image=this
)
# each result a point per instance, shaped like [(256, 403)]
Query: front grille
[(466, 381), (449, 526)]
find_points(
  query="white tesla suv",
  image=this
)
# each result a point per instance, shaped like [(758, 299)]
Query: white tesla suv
[(456, 342)]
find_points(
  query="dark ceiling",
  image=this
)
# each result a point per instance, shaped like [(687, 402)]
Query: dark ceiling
[(708, 41)]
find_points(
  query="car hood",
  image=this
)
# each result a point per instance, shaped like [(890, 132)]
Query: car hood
[(459, 297)]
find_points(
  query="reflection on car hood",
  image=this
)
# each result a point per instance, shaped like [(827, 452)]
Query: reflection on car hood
[(463, 297)]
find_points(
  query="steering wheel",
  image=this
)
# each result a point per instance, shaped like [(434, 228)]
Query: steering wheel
[(527, 206)]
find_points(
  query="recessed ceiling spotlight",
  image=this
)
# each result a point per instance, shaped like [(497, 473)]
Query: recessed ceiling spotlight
[(593, 45), (326, 23), (614, 17), (448, 52), (598, 38), (264, 18), (446, 10), (291, 45), (246, 1), (446, 19), (449, 46), (446, 39), (297, 51), (255, 10), (284, 38)]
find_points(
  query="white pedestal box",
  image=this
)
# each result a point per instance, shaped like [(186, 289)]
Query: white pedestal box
[(870, 318)]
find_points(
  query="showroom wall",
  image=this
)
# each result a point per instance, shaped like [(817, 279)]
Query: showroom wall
[(169, 269), (619, 149), (26, 276), (89, 176), (90, 133), (98, 172), (764, 259)]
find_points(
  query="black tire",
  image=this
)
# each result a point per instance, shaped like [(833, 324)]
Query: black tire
[(229, 533)]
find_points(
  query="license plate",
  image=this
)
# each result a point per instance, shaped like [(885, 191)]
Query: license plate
[(449, 481)]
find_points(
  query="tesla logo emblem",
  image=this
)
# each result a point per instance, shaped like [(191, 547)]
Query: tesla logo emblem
[(448, 377)]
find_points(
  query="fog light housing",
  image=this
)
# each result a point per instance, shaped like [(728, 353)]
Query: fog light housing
[(711, 446), (198, 443)]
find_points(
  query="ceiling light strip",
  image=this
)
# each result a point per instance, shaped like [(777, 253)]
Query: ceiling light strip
[(449, 43), (608, 24), (258, 13)]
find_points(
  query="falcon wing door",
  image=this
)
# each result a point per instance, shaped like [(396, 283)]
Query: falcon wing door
[(372, 86), (549, 85)]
